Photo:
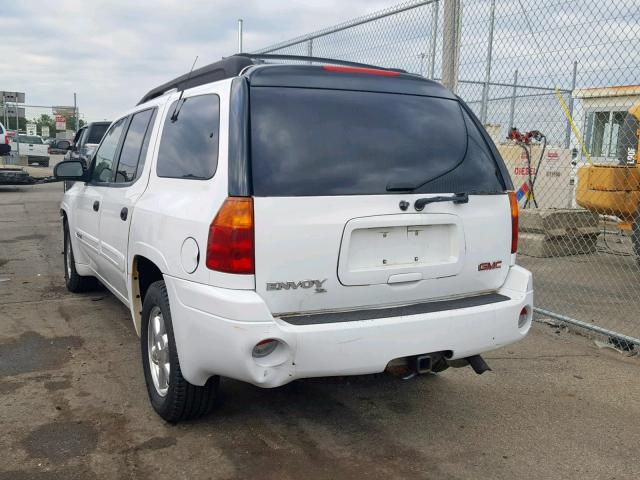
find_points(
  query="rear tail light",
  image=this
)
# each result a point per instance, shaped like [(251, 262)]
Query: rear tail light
[(49, 150), (6, 139), (365, 70), (230, 247), (513, 202)]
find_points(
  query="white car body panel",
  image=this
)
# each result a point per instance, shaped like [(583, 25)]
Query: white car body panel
[(218, 317)]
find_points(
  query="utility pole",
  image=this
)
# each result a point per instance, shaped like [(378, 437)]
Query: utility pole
[(451, 43), (239, 35), (512, 106), (75, 111), (422, 56), (567, 139), (4, 110), (17, 137)]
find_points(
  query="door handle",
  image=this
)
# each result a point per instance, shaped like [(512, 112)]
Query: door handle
[(96, 205), (123, 213)]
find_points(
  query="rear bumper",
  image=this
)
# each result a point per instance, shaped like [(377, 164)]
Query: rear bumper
[(221, 344)]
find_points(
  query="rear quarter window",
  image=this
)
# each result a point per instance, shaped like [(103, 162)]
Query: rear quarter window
[(189, 144), (311, 142)]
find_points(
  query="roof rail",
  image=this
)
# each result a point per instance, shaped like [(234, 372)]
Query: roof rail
[(232, 67), (225, 68)]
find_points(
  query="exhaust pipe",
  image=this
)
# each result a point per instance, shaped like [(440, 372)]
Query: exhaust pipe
[(478, 364)]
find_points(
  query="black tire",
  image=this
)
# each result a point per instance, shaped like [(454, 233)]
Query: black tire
[(182, 400), (75, 283)]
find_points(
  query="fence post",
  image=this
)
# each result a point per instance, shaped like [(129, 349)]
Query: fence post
[(239, 35), (450, 43), (310, 48), (487, 75), (434, 38), (512, 107), (567, 138)]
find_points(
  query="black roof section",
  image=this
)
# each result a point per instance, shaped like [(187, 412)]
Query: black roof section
[(225, 68), (296, 75)]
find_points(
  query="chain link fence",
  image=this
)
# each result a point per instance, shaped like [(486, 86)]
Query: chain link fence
[(556, 84)]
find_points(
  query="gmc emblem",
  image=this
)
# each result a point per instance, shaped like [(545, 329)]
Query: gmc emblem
[(490, 265)]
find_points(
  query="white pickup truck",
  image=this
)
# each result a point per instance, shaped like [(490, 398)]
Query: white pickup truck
[(270, 222), (33, 147)]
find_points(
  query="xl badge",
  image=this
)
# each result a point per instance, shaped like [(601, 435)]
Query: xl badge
[(306, 284)]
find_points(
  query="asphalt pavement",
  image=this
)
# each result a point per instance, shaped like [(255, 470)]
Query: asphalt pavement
[(73, 404)]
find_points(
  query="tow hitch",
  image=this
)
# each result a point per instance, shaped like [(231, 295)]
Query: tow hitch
[(409, 367)]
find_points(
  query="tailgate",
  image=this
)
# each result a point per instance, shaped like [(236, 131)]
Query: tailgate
[(335, 178), (358, 252)]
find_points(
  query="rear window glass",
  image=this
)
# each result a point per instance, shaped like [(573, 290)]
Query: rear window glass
[(30, 139), (189, 144), (96, 132), (332, 142)]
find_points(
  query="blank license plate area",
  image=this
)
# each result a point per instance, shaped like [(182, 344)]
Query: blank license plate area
[(418, 246)]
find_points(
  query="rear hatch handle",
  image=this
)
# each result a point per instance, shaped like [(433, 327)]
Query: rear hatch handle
[(456, 198)]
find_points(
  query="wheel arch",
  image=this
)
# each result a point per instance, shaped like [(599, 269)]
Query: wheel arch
[(144, 271)]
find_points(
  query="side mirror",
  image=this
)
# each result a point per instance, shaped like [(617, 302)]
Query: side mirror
[(69, 170)]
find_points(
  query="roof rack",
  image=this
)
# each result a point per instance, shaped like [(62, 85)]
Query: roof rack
[(225, 68), (232, 67)]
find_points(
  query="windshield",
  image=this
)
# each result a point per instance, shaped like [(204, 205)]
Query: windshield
[(96, 132), (333, 142), (33, 140)]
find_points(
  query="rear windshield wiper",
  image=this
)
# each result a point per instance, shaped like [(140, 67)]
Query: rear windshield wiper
[(456, 198)]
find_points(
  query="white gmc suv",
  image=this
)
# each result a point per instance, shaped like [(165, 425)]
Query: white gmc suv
[(268, 222)]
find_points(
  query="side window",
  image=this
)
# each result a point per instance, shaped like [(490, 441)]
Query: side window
[(189, 144), (134, 147), (105, 156)]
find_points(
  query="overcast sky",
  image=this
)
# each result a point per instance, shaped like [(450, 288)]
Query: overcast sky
[(112, 52)]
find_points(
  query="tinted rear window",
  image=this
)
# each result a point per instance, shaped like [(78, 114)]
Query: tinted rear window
[(96, 132), (332, 142)]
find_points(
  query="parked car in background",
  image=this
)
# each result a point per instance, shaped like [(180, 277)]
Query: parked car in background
[(33, 147), (270, 222), (86, 141), (58, 146), (5, 148)]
